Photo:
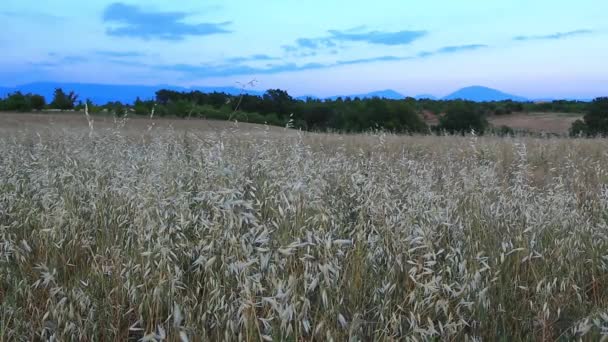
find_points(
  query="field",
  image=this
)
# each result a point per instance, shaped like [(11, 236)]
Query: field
[(537, 122), (558, 123), (194, 230)]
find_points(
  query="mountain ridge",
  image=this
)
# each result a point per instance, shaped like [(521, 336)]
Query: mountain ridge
[(482, 94), (103, 93)]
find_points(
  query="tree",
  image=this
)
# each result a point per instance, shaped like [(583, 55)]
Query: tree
[(278, 101), (462, 117), (596, 120), (579, 128), (18, 102), (37, 102), (63, 101)]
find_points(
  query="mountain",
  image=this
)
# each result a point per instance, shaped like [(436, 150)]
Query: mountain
[(384, 94), (103, 93), (4, 91), (425, 97), (482, 94)]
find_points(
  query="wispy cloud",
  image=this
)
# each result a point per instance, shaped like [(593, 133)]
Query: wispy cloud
[(31, 15), (373, 59), (357, 35), (451, 49), (378, 37), (554, 36), (110, 53), (258, 57), (58, 60), (135, 22), (232, 69)]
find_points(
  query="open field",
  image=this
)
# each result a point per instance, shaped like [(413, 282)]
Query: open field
[(537, 122), (558, 123), (140, 231), (11, 122)]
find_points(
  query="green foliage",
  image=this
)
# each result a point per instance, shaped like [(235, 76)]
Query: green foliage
[(20, 102), (143, 107), (116, 108), (92, 108), (503, 131), (463, 117), (17, 102), (579, 128), (596, 119), (63, 101), (37, 102)]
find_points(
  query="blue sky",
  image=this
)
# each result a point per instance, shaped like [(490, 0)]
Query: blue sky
[(535, 48)]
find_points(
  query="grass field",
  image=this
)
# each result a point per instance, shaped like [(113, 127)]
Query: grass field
[(193, 230), (558, 123)]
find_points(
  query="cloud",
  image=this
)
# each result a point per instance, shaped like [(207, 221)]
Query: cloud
[(451, 49), (315, 43), (373, 59), (135, 22), (359, 34), (109, 53), (554, 36), (233, 68), (58, 60), (258, 57), (206, 70), (378, 37), (32, 15)]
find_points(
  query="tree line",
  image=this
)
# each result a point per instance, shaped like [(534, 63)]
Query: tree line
[(277, 107)]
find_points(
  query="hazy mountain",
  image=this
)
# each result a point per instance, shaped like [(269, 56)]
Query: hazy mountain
[(482, 94), (385, 94), (103, 93), (4, 91), (425, 97)]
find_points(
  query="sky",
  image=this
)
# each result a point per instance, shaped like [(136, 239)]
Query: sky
[(536, 49)]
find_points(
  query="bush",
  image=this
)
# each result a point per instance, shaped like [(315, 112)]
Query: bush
[(596, 120), (37, 102), (18, 102), (63, 101), (579, 128), (462, 117)]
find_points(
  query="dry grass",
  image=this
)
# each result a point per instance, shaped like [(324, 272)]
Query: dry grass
[(253, 234), (11, 122), (536, 122)]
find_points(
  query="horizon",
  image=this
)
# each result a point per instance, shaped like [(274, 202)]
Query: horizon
[(540, 50)]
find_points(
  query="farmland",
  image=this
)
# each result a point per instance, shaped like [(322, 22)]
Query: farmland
[(166, 229)]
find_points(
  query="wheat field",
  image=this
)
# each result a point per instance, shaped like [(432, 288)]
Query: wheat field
[(236, 233)]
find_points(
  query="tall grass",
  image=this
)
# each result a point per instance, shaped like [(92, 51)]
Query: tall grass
[(243, 235)]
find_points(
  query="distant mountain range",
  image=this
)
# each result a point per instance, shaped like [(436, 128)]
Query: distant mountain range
[(103, 93), (482, 94), (385, 94)]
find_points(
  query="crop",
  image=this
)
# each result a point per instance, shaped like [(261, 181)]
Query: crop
[(238, 234)]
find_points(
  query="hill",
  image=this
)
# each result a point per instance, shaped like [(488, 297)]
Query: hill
[(384, 94), (482, 94), (425, 97)]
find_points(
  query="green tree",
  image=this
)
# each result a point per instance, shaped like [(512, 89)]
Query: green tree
[(18, 102), (462, 117), (37, 102), (63, 101), (578, 128), (596, 119)]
